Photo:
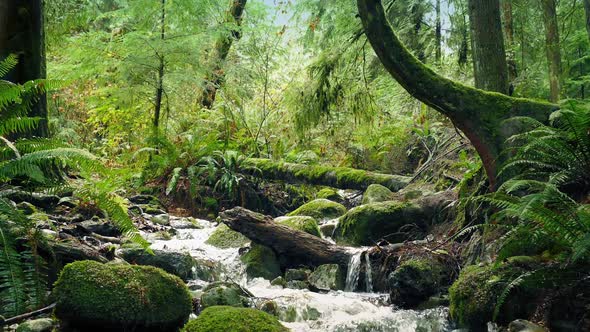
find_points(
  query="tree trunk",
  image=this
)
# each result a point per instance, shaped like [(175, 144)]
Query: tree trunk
[(552, 47), (489, 57), (587, 10), (298, 247), (508, 24), (160, 78), (22, 33), (220, 52), (438, 34), (479, 114), (337, 177)]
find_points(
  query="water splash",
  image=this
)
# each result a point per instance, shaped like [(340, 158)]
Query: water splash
[(354, 270), (368, 273)]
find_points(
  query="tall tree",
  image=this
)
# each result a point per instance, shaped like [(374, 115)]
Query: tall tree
[(553, 48), (220, 52), (438, 33), (587, 10), (508, 23), (489, 56), (22, 33), (479, 114), (161, 64)]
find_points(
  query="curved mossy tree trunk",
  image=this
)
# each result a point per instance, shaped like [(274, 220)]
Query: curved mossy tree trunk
[(479, 114), (22, 33), (220, 52), (489, 56), (553, 48)]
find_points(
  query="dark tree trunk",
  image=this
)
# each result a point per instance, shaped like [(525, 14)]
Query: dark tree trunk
[(438, 33), (479, 114), (587, 10), (220, 52), (508, 24), (161, 67), (22, 33), (489, 57), (552, 47)]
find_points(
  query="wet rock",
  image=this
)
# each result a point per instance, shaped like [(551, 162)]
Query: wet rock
[(320, 209), (261, 262), (279, 281), (376, 193), (184, 223), (145, 199), (270, 307), (331, 194), (414, 281), (328, 229), (36, 325), (97, 297), (26, 208), (161, 219), (40, 200), (178, 263), (223, 237), (328, 277), (301, 223), (297, 274), (100, 227), (297, 284), (224, 293), (521, 325), (226, 318)]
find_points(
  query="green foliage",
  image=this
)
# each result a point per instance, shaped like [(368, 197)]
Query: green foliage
[(222, 318), (121, 296), (222, 170)]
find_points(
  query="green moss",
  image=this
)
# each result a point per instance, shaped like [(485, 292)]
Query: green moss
[(376, 193), (301, 223), (224, 237), (320, 209), (365, 224), (125, 297), (222, 319), (474, 295), (414, 281), (224, 293), (328, 193), (261, 262)]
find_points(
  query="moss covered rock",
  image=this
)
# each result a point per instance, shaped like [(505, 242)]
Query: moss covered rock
[(329, 193), (178, 263), (100, 297), (223, 237), (301, 223), (320, 209), (261, 262), (376, 193), (224, 293), (366, 224), (225, 319), (36, 325), (414, 281), (474, 295), (328, 276)]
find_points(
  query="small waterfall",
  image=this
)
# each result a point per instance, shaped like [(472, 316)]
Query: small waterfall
[(368, 273), (354, 269)]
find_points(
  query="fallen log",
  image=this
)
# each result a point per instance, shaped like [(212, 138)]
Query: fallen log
[(336, 177), (298, 248)]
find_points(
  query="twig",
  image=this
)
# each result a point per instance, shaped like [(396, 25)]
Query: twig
[(22, 317)]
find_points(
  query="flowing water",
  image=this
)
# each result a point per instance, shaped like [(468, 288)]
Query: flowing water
[(303, 310)]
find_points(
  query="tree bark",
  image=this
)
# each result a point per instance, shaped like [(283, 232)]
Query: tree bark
[(479, 114), (438, 34), (161, 65), (220, 52), (337, 177), (489, 57), (22, 33), (587, 10), (553, 48), (298, 247), (508, 24)]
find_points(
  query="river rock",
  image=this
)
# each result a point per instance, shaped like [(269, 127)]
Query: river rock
[(301, 223), (376, 193), (223, 237), (100, 227), (180, 264), (161, 219), (261, 262), (184, 223), (226, 318), (521, 325), (414, 281), (328, 277), (91, 296), (296, 274), (36, 325), (224, 293), (320, 209), (279, 281), (297, 284)]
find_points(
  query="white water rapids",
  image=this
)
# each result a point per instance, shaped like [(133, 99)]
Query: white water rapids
[(338, 311)]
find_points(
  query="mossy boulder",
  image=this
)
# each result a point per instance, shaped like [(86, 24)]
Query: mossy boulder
[(178, 263), (328, 277), (320, 209), (225, 319), (224, 237), (261, 262), (36, 325), (92, 296), (366, 224), (376, 193), (475, 294), (414, 281), (329, 193), (224, 293), (301, 223)]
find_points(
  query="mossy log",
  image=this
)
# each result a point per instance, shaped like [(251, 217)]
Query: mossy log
[(299, 248), (479, 114), (337, 177)]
